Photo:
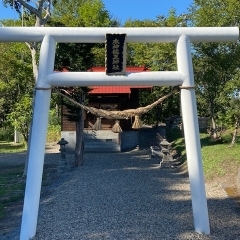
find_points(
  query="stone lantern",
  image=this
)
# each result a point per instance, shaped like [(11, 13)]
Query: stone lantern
[(165, 149), (165, 145), (63, 164), (164, 154)]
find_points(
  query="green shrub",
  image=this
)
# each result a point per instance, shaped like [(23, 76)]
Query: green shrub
[(54, 119), (54, 133), (6, 134)]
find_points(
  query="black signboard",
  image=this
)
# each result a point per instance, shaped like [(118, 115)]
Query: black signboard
[(115, 54)]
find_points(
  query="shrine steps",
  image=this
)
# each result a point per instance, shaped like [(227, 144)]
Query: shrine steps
[(101, 146), (101, 141)]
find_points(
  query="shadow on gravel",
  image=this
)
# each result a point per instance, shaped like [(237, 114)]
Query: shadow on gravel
[(126, 196)]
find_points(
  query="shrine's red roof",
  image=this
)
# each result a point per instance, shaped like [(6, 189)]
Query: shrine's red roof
[(115, 89), (110, 89)]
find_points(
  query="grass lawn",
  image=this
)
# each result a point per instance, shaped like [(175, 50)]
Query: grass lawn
[(219, 159), (11, 182), (11, 147)]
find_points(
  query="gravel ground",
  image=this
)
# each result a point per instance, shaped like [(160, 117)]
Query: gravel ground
[(126, 196)]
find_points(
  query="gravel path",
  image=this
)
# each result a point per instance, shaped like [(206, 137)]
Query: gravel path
[(125, 196)]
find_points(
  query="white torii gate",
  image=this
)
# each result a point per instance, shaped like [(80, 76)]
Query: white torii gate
[(47, 78)]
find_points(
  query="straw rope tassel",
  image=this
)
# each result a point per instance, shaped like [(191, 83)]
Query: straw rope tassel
[(97, 125), (137, 123), (116, 127)]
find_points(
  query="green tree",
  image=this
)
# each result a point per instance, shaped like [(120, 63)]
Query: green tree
[(94, 14), (20, 118), (15, 78), (230, 115), (156, 57), (34, 13), (215, 64)]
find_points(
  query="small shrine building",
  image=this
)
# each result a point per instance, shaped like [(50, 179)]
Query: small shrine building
[(107, 98)]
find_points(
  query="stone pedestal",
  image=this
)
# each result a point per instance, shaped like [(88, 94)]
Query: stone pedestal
[(63, 164), (166, 161)]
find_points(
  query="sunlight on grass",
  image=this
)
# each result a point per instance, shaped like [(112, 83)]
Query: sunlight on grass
[(11, 147), (218, 158)]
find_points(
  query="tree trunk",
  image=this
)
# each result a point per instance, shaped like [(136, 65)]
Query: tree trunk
[(33, 49), (235, 132), (79, 148), (158, 114), (214, 129)]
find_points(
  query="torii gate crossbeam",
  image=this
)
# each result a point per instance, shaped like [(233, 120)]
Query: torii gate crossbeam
[(47, 78)]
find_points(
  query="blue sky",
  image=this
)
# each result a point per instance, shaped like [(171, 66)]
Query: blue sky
[(124, 9), (140, 9)]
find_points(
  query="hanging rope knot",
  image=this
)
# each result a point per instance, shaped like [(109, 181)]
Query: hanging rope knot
[(124, 114)]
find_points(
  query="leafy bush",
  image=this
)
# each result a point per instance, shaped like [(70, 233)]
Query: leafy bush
[(54, 133), (6, 134), (54, 118), (21, 117)]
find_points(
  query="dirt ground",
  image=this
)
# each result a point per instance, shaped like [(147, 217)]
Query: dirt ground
[(230, 183)]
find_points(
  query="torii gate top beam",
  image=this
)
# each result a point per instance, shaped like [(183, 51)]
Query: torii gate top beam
[(97, 35)]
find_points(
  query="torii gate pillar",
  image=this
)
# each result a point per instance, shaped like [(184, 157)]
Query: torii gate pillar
[(192, 137), (38, 140)]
